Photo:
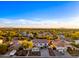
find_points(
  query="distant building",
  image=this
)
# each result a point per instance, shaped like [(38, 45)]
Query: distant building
[(60, 45), (23, 33), (62, 37), (59, 42), (61, 49), (35, 49)]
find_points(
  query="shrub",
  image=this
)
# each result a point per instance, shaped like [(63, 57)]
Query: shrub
[(3, 48)]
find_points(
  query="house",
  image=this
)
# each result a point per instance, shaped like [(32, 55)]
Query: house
[(40, 42), (14, 44), (29, 35), (23, 33), (76, 41), (35, 49), (61, 36), (67, 42), (58, 42), (61, 49), (68, 39), (60, 45)]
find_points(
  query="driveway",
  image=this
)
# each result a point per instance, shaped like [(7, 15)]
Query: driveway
[(60, 55)]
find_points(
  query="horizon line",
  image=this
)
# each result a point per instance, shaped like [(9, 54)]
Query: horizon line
[(36, 28)]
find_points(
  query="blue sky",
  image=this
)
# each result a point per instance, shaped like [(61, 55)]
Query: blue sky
[(39, 14)]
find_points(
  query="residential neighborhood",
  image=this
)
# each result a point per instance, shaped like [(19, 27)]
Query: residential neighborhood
[(43, 43), (39, 29)]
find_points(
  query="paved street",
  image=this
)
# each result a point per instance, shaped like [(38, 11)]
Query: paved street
[(7, 54), (44, 53)]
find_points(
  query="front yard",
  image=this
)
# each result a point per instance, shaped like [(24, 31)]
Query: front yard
[(73, 52), (51, 53), (34, 53)]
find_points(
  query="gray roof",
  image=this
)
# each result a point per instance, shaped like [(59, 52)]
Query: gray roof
[(40, 40)]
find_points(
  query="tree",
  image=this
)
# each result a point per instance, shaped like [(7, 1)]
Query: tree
[(48, 37), (1, 37), (30, 43), (75, 35), (1, 32), (9, 38), (55, 37), (3, 48), (25, 43), (74, 44), (20, 36)]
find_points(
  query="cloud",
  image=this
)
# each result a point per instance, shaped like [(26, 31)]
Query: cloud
[(72, 22)]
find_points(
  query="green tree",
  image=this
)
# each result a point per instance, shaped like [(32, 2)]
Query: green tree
[(9, 38), (3, 48)]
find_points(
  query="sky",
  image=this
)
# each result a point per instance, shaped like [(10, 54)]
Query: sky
[(39, 14)]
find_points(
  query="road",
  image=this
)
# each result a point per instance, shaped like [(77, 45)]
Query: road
[(44, 53)]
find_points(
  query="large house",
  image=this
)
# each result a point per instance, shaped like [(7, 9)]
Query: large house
[(14, 44), (40, 42), (60, 45), (58, 42)]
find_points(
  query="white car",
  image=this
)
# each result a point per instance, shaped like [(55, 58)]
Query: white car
[(12, 52), (61, 49)]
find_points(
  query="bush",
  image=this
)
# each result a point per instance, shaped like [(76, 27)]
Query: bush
[(76, 45), (3, 48), (73, 52)]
